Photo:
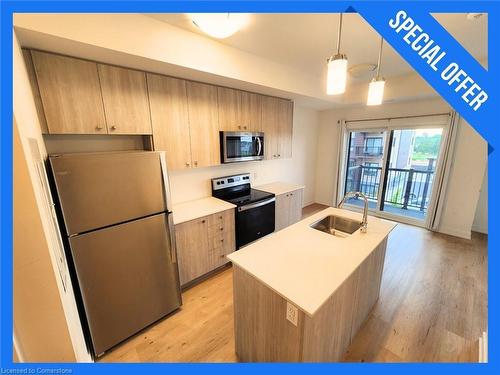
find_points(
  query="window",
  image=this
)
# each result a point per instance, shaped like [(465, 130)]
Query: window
[(373, 145)]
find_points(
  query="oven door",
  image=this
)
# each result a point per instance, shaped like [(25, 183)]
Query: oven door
[(241, 146), (254, 220)]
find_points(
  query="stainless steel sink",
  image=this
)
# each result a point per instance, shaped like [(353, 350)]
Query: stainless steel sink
[(336, 225)]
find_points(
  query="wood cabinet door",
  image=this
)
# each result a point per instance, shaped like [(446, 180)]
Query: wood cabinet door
[(282, 212), (125, 98), (270, 119), (229, 107), (285, 125), (70, 94), (169, 119), (203, 124), (192, 249), (251, 111), (295, 212)]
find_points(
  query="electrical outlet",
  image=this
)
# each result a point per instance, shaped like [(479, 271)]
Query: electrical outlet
[(292, 313)]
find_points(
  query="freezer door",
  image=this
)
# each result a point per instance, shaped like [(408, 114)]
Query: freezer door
[(128, 278), (102, 189)]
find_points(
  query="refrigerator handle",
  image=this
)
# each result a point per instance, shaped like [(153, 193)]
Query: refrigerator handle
[(166, 183), (171, 230)]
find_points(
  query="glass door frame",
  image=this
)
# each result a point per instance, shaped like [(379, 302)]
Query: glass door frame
[(388, 136)]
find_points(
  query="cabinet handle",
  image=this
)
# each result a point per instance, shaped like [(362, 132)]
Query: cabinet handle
[(196, 163), (98, 127), (244, 127), (113, 127), (220, 217), (203, 221), (222, 240), (187, 164), (221, 228), (279, 155), (222, 256), (239, 127)]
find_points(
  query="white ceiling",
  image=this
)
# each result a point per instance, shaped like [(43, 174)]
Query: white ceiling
[(304, 41)]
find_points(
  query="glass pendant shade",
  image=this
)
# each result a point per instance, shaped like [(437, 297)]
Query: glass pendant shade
[(376, 92), (337, 75)]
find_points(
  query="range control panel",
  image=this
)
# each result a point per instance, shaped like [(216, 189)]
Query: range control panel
[(230, 181)]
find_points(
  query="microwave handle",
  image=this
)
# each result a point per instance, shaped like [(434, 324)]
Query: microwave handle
[(259, 150)]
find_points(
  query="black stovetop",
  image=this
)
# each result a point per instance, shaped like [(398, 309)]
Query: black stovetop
[(247, 196)]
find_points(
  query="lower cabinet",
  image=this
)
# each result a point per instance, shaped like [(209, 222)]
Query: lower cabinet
[(288, 208), (202, 244)]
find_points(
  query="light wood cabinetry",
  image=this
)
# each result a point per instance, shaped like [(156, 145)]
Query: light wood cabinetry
[(75, 96), (35, 90), (277, 125), (288, 209), (170, 120), (203, 124), (202, 244), (239, 110), (70, 94), (125, 99), (229, 109), (251, 111), (263, 333)]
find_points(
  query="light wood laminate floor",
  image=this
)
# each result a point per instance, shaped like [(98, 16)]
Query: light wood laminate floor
[(432, 308)]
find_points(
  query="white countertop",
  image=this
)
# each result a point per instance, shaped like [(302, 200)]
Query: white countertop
[(279, 188), (306, 266), (198, 208)]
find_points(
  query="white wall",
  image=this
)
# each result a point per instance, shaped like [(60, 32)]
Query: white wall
[(28, 127), (480, 223), (466, 175), (195, 183)]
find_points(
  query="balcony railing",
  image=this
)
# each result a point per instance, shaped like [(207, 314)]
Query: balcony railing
[(364, 150), (406, 188)]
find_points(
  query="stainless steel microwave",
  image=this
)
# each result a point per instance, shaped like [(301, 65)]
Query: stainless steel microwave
[(241, 146)]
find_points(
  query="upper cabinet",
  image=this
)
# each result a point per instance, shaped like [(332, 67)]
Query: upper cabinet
[(70, 94), (277, 125), (169, 118), (203, 124), (229, 109), (251, 111), (83, 97), (75, 96), (125, 98), (239, 110)]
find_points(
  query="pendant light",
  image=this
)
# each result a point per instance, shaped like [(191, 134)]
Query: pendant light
[(337, 69), (376, 88)]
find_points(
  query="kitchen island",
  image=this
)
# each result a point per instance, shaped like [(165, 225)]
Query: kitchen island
[(301, 295)]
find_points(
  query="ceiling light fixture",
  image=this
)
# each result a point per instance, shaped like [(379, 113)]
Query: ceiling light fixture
[(219, 25), (337, 69), (376, 88)]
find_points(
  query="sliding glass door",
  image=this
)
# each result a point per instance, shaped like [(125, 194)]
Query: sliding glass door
[(395, 168), (364, 165)]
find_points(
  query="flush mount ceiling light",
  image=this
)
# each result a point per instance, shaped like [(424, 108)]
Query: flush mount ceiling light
[(376, 88), (337, 69), (219, 25)]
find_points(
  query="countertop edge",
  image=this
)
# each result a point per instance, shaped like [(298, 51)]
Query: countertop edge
[(269, 188), (224, 206)]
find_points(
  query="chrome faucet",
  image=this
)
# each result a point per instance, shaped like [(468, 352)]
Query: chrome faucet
[(357, 194)]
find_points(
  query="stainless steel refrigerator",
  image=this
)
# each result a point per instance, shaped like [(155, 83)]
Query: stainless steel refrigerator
[(116, 214)]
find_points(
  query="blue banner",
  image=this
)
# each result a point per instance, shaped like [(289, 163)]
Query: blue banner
[(447, 66)]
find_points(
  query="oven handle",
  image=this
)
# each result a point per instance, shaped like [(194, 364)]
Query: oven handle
[(255, 205), (260, 146)]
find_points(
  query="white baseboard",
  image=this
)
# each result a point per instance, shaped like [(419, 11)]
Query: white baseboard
[(455, 232), (480, 229)]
